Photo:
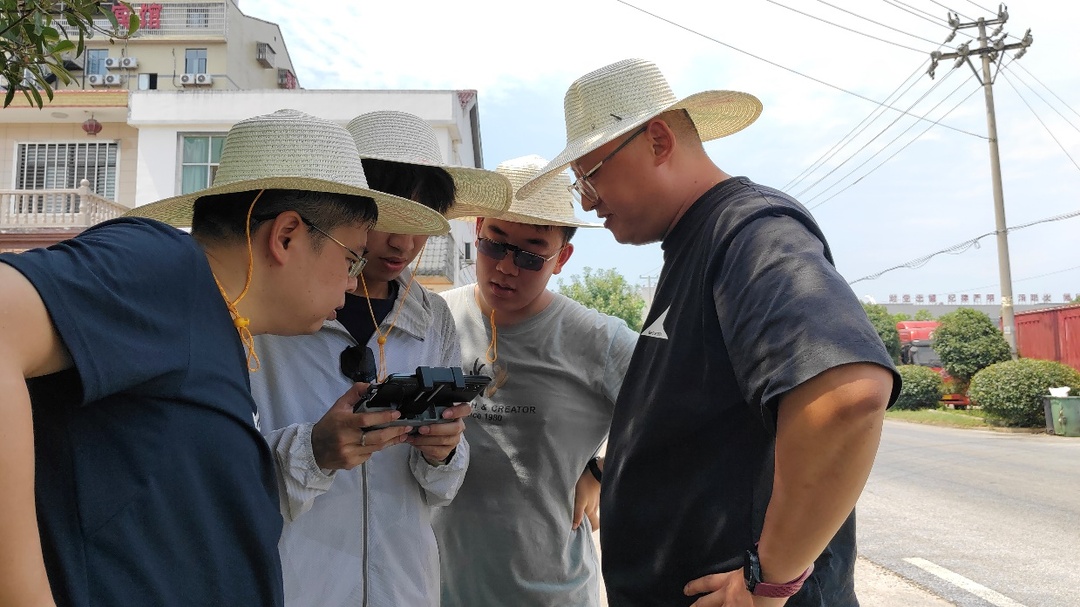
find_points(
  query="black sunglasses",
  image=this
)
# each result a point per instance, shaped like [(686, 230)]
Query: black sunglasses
[(522, 258), (358, 364)]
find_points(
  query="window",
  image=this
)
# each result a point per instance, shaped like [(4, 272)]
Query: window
[(95, 61), (199, 163), (198, 16), (62, 166), (195, 61)]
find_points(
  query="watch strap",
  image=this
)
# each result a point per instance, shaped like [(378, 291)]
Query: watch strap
[(758, 587)]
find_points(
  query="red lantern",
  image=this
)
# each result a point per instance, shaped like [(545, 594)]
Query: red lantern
[(91, 126)]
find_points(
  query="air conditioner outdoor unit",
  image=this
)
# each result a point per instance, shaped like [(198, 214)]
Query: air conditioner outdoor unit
[(204, 79), (129, 63), (95, 80), (111, 63), (113, 80), (187, 79)]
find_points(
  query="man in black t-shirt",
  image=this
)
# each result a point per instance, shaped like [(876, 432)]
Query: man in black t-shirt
[(752, 408), (132, 468)]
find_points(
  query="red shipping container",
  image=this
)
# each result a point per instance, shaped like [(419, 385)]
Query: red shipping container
[(1052, 334)]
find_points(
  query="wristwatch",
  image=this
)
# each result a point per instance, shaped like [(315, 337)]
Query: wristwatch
[(757, 587)]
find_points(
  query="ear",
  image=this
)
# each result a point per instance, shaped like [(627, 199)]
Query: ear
[(479, 225), (564, 256), (661, 139), (280, 233)]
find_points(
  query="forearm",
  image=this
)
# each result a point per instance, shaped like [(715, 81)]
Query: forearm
[(827, 436), (23, 580)]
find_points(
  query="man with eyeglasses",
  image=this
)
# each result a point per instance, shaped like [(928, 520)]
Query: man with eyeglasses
[(753, 406), (358, 503), (132, 466), (519, 531)]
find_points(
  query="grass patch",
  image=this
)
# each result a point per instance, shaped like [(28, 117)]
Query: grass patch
[(955, 418)]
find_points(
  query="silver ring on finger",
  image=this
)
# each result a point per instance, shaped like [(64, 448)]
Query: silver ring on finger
[(363, 439)]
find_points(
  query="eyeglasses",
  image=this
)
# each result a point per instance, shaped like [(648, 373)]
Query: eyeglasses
[(522, 258), (582, 187), (356, 264)]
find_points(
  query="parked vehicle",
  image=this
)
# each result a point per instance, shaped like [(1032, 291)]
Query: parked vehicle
[(1051, 334), (917, 348)]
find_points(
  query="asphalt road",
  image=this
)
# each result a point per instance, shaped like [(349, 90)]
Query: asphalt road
[(978, 518)]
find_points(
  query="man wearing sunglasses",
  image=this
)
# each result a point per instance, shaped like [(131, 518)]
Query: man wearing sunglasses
[(357, 503), (519, 531)]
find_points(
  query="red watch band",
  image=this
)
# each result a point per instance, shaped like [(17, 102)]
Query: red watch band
[(758, 587)]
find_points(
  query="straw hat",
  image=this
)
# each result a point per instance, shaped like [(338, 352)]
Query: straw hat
[(620, 97), (291, 150), (551, 204), (405, 138)]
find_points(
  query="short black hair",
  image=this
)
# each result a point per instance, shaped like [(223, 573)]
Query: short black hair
[(221, 217), (568, 231), (431, 186)]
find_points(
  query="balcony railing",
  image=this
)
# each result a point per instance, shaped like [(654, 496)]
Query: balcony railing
[(52, 209), (173, 19)]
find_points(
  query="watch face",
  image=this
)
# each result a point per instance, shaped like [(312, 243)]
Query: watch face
[(752, 570)]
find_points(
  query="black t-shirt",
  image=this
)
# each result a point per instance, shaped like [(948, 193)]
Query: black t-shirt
[(748, 307), (355, 316), (153, 484)]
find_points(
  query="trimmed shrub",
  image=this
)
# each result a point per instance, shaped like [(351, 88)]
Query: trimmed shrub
[(1011, 392), (968, 341), (922, 388)]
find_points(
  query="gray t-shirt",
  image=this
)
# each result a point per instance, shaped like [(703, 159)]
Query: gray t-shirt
[(507, 538)]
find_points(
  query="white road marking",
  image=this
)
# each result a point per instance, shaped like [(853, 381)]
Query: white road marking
[(984, 593)]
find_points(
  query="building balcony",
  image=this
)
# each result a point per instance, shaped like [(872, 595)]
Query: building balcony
[(184, 20), (62, 211)]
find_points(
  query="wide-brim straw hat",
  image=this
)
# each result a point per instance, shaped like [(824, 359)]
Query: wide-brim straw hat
[(551, 204), (405, 138), (291, 150), (615, 99)]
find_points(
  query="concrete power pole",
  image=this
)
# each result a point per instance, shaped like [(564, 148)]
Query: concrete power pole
[(991, 49)]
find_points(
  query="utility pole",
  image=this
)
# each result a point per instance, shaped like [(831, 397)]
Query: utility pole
[(991, 49)]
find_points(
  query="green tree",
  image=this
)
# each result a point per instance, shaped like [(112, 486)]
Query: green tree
[(967, 341), (924, 315), (608, 292), (885, 325), (35, 35), (900, 317)]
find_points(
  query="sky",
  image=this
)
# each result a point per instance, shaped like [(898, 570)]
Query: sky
[(887, 188)]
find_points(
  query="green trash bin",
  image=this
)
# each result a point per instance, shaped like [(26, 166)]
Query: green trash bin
[(1065, 413)]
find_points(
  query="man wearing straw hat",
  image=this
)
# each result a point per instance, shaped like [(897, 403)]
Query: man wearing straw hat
[(359, 532), (124, 359), (519, 531), (750, 416)]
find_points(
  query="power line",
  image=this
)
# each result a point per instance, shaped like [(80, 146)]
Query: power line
[(956, 249), (850, 135), (787, 69), (854, 31), (978, 6), (853, 14), (1022, 280), (1048, 131), (1048, 89), (958, 13), (893, 154), (874, 138)]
